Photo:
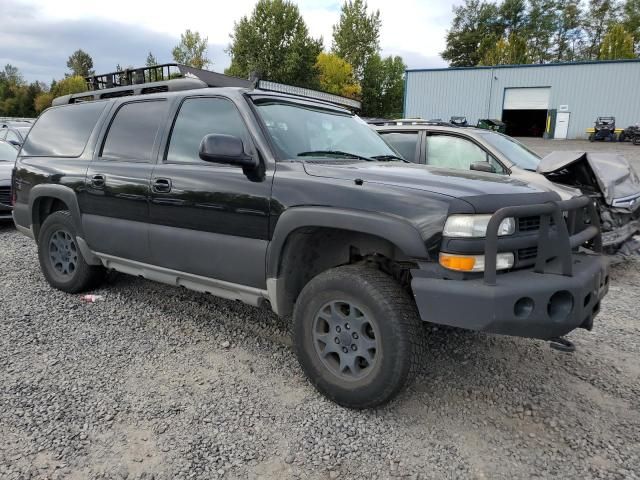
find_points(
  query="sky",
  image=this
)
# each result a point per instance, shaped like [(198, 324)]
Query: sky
[(38, 36)]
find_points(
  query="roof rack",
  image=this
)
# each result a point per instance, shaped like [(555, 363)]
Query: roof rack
[(408, 121), (175, 77)]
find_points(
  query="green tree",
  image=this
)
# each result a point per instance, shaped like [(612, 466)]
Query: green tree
[(475, 28), (383, 87), (274, 42), (335, 75), (151, 60), (617, 44), (356, 36), (631, 20), (192, 50), (510, 51), (568, 29), (513, 15), (540, 28), (600, 16), (80, 63)]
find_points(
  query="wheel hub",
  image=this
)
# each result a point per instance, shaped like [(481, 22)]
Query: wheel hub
[(63, 253), (345, 340)]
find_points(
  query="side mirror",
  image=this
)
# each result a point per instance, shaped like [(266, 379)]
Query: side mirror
[(218, 148), (483, 167)]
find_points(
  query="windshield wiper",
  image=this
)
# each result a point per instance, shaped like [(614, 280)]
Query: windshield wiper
[(389, 158), (340, 153)]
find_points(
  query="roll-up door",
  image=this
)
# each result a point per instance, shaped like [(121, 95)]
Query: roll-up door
[(526, 98)]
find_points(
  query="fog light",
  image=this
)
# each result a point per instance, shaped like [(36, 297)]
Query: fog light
[(474, 263)]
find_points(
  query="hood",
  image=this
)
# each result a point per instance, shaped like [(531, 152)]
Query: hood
[(610, 173), (5, 171), (485, 191)]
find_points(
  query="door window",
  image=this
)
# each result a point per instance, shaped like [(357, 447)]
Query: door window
[(197, 118), (13, 137), (459, 153), (405, 143), (133, 131)]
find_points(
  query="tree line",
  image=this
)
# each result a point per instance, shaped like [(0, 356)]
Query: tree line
[(484, 32), (273, 43)]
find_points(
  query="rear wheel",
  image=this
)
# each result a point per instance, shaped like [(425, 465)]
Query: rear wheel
[(357, 336), (636, 140), (60, 258)]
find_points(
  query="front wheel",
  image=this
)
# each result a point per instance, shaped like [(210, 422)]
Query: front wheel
[(357, 335), (60, 258)]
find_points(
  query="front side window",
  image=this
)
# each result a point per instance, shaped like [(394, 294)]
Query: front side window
[(300, 131), (449, 151), (197, 118), (405, 143), (133, 131)]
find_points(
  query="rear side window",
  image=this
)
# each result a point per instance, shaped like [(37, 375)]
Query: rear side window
[(63, 131), (133, 131)]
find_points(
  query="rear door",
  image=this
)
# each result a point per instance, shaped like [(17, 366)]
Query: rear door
[(209, 219), (116, 207)]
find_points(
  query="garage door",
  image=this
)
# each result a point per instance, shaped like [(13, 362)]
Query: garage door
[(526, 98)]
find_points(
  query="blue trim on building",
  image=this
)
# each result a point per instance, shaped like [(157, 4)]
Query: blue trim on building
[(529, 65)]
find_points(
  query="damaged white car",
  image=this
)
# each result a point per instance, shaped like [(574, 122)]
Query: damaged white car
[(608, 178)]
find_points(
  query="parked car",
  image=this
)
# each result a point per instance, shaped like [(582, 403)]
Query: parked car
[(606, 177), (292, 202), (8, 154), (14, 134)]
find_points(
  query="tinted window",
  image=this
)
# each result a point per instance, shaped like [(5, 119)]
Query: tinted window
[(199, 117), (7, 152), (63, 131), (133, 131), (404, 143), (456, 152)]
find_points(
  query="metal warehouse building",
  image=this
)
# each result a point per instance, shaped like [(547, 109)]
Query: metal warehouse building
[(557, 100)]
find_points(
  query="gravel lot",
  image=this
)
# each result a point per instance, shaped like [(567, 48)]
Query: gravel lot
[(157, 382)]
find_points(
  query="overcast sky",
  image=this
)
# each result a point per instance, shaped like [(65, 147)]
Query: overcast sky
[(38, 36)]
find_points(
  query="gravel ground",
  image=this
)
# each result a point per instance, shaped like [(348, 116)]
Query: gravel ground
[(157, 382)]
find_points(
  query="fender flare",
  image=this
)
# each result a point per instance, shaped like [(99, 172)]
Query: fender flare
[(59, 192), (393, 229)]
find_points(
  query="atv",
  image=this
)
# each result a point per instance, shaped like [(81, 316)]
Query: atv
[(459, 121), (631, 133), (604, 129)]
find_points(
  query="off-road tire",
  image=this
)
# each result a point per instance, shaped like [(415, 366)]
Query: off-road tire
[(399, 334), (84, 276), (636, 140)]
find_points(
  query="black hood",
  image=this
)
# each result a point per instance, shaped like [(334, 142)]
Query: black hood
[(485, 191)]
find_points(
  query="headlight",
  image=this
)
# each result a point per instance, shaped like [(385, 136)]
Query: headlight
[(474, 263), (475, 226)]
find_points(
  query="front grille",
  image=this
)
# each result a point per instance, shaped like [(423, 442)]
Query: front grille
[(5, 195), (527, 253), (528, 224)]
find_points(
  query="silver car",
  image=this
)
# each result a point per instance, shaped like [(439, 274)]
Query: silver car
[(606, 177), (8, 154)]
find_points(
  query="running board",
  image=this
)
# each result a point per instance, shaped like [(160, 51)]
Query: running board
[(230, 291)]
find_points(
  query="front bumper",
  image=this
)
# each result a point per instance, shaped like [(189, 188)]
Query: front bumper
[(561, 292), (522, 303)]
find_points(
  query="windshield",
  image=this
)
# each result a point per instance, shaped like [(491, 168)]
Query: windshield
[(513, 150), (7, 152), (305, 132)]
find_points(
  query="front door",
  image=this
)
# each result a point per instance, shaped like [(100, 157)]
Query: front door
[(209, 219), (562, 125), (115, 203)]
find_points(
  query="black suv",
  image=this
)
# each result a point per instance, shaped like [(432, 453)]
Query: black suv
[(294, 203)]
